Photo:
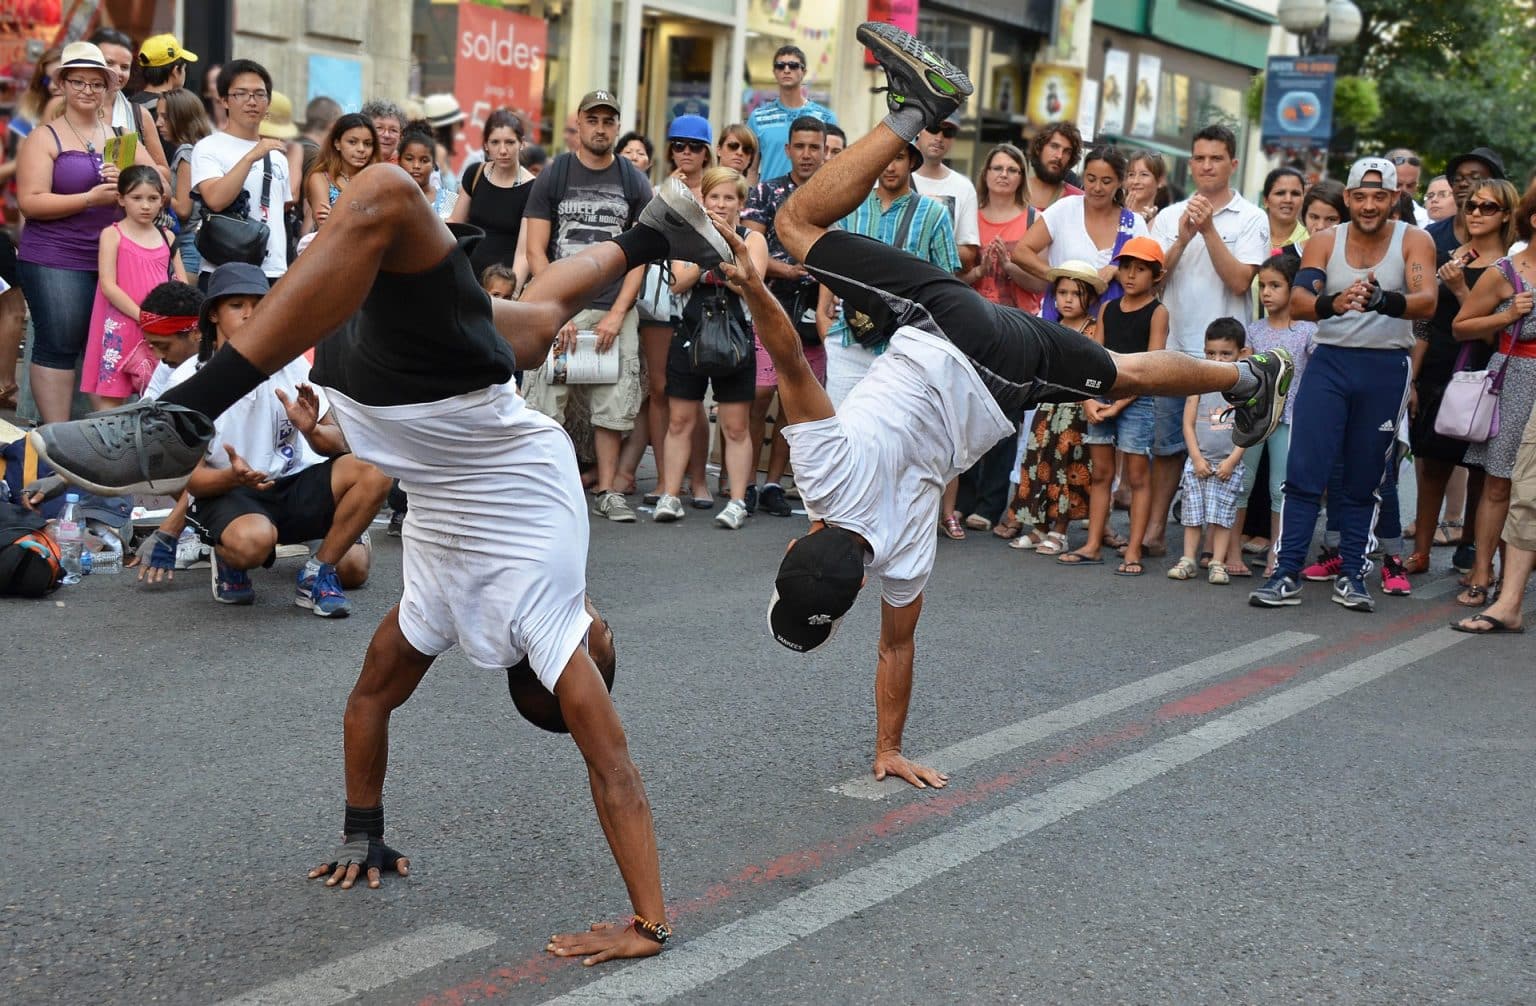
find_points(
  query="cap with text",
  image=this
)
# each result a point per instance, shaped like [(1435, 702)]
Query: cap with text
[(599, 99), (163, 50), (1368, 165), (818, 582)]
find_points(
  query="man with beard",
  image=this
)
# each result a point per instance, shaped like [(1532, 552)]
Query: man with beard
[(1465, 172), (585, 198), (1365, 283), (1052, 154)]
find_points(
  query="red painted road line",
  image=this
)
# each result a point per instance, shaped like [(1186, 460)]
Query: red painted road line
[(941, 803)]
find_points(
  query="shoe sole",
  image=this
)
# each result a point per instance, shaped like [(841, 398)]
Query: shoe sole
[(1284, 602), (667, 518), (1325, 578), (945, 81), (619, 518), (1277, 405), (214, 577), (680, 201), (169, 487), (1345, 602)]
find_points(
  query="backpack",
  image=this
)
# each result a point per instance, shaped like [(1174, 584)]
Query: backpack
[(30, 563), (637, 191)]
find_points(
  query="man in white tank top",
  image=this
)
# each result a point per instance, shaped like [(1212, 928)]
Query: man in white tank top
[(1365, 282)]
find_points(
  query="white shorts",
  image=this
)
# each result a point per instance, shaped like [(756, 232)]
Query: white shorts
[(495, 541)]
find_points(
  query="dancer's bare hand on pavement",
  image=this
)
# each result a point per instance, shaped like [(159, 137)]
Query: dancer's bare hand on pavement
[(356, 855), (604, 941), (921, 776)]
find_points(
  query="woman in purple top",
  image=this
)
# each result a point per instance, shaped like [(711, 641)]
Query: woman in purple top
[(68, 196)]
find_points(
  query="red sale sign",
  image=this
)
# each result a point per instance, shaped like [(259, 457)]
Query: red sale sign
[(901, 13), (499, 64)]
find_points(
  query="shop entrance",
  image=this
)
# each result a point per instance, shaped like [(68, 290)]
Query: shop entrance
[(683, 73)]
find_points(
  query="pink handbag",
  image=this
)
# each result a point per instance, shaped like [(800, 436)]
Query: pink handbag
[(1470, 409)]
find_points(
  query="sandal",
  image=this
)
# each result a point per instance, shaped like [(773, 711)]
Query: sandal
[(1184, 569), (1416, 563), (1252, 546), (1218, 574), (1494, 625), (1007, 529), (1055, 544), (1473, 595), (950, 527), (1078, 559), (1132, 568), (1448, 533), (976, 522), (1028, 542), (1240, 570)]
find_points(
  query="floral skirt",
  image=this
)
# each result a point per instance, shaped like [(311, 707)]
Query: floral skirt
[(1053, 481)]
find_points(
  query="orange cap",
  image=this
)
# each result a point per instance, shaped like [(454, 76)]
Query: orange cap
[(1143, 249)]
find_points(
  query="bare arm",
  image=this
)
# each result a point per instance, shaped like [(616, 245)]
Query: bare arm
[(151, 145), (219, 193), (1313, 256), (317, 196), (520, 267), (34, 183), (181, 201), (1423, 285), (1029, 253), (538, 244), (893, 695), (1158, 337), (1236, 276), (1477, 320), (106, 279)]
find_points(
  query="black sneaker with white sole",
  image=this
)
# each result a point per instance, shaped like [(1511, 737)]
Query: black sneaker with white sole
[(915, 75), (1255, 418), (690, 233), (147, 447)]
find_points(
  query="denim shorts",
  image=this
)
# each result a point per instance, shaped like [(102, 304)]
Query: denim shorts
[(1131, 431), (1168, 435), (60, 301)]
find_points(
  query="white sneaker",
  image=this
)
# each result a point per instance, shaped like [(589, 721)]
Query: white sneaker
[(733, 516), (615, 507), (668, 509), (191, 553)]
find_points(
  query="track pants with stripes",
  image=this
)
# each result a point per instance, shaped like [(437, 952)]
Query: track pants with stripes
[(1347, 410)]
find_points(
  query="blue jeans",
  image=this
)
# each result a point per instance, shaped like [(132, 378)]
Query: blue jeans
[(60, 301), (1346, 413), (1132, 431)]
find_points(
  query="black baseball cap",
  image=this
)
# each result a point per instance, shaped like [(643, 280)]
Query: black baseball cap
[(818, 582)]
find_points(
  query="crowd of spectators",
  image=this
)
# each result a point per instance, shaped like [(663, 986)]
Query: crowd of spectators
[(1087, 234)]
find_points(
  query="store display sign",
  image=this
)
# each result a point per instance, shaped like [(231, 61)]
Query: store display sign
[(1149, 77), (499, 63), (901, 13), (1115, 88), (1298, 101), (1053, 93)]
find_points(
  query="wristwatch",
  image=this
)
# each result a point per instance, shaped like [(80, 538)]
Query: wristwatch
[(658, 931)]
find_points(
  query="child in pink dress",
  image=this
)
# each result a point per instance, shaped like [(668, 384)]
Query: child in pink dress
[(135, 257)]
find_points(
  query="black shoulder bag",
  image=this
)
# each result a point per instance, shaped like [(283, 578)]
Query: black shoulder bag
[(719, 341), (230, 235)]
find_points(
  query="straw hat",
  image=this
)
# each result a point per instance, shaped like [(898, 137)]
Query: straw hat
[(1078, 269), (278, 124), (82, 56)]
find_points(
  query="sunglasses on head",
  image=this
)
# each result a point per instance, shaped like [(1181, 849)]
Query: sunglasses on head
[(788, 64), (1487, 209), (692, 146)]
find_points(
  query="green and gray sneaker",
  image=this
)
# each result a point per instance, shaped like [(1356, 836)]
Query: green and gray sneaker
[(915, 75), (1255, 418)]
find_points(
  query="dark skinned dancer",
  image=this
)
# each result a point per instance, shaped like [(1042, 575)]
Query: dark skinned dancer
[(959, 372), (429, 394)]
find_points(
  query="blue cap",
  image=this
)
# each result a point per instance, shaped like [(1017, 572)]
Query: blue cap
[(690, 127)]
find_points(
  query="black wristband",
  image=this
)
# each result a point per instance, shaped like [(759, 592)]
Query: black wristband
[(364, 820), (1324, 306), (1391, 303)]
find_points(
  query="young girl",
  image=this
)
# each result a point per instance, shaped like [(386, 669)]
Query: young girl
[(1134, 322), (350, 146), (182, 121), (416, 152), (1275, 330), (135, 256), (1054, 480)]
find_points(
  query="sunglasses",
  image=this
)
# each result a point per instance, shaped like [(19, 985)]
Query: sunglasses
[(736, 145), (949, 131), (1412, 162), (692, 146), (788, 65), (1486, 209)]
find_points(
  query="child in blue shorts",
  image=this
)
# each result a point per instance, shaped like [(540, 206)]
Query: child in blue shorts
[(1213, 474)]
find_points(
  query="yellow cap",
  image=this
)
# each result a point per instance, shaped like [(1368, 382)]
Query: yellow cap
[(163, 50)]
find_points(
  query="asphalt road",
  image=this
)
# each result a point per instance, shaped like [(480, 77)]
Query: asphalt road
[(1158, 795)]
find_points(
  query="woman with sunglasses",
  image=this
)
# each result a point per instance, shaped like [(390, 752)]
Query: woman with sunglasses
[(1499, 311), (690, 150), (69, 195), (1490, 220), (737, 150)]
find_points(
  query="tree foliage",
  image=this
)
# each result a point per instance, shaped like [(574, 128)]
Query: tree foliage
[(1451, 76)]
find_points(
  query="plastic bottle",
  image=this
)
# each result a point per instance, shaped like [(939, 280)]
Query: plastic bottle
[(71, 538), (110, 558)]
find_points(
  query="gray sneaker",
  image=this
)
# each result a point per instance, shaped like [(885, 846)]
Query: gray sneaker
[(615, 507), (1255, 418), (147, 447), (734, 516), (1351, 593), (688, 229), (668, 509)]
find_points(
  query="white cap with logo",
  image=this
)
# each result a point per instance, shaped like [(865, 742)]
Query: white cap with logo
[(1365, 166)]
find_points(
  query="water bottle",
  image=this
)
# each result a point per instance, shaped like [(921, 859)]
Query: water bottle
[(71, 538)]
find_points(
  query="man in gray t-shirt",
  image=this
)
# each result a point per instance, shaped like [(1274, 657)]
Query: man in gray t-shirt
[(585, 198)]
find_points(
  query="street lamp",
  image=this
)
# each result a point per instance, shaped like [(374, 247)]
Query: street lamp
[(1319, 24)]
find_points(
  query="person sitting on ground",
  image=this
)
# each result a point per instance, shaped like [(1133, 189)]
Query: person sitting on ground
[(1213, 472), (254, 491)]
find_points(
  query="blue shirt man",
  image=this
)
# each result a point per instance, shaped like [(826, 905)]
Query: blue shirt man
[(770, 121)]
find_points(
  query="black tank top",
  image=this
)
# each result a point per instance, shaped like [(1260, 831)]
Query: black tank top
[(420, 337), (499, 212), (1128, 331)]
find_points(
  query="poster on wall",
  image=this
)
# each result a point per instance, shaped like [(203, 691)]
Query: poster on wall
[(337, 78), (1116, 88), (498, 63), (1149, 74), (1088, 110), (1298, 102), (1053, 93), (901, 13)]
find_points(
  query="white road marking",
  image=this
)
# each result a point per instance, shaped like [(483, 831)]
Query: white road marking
[(369, 969), (707, 957), (1069, 717)]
